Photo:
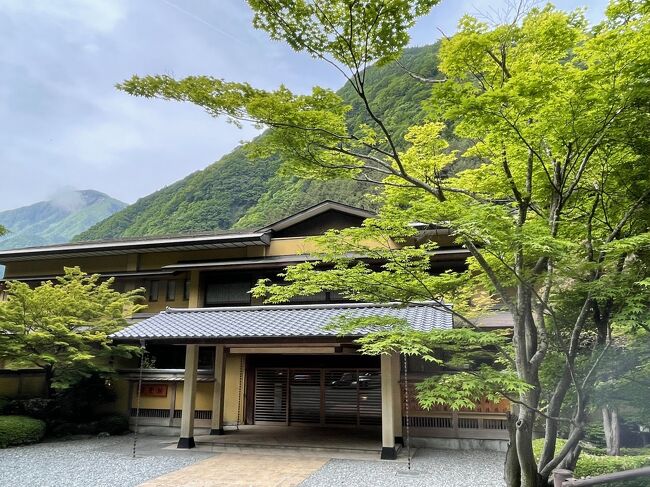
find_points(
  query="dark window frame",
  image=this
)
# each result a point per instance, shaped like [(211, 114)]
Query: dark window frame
[(153, 296), (246, 297), (170, 293), (186, 290)]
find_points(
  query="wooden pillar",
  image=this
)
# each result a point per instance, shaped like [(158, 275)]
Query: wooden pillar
[(397, 399), (218, 392), (388, 383), (196, 300), (189, 397)]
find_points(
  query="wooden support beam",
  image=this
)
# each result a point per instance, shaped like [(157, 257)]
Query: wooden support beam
[(397, 399), (189, 397), (218, 392), (388, 383)]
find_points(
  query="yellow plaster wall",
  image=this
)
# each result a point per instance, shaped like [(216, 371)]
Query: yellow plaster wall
[(150, 402), (121, 389), (178, 404), (160, 305), (290, 246), (203, 396), (256, 251), (162, 302), (233, 393), (32, 386), (8, 386), (300, 245)]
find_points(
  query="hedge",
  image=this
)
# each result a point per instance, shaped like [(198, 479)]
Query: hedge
[(20, 430), (113, 424), (593, 462)]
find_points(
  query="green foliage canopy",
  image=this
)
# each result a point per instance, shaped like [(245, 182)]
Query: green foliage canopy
[(555, 217), (64, 326)]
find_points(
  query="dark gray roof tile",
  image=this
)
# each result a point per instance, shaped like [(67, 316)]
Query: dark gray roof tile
[(276, 321)]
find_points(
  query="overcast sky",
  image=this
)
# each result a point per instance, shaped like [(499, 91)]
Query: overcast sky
[(64, 125)]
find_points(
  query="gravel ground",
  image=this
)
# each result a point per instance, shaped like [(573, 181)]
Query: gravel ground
[(105, 462), (100, 462), (439, 468)]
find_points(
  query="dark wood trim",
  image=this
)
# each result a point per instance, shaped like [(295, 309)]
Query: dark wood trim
[(249, 396)]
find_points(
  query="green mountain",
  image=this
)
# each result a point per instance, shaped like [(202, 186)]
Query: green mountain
[(237, 192), (56, 220)]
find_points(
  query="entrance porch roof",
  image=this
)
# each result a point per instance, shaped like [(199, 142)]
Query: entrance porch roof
[(285, 321)]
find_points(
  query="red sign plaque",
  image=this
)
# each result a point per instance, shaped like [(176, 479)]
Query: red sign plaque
[(154, 390)]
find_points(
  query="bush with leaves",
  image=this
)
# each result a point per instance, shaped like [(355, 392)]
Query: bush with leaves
[(595, 462), (64, 326), (20, 430)]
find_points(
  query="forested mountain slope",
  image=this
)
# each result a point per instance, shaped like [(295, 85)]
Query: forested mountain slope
[(56, 220), (211, 199), (238, 192)]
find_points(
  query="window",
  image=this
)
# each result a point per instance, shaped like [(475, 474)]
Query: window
[(227, 293), (153, 290), (186, 290), (206, 358), (171, 290)]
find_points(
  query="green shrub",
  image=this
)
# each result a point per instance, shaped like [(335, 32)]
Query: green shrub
[(35, 407), (20, 430), (4, 402), (114, 424), (594, 465), (592, 462), (79, 403), (62, 427)]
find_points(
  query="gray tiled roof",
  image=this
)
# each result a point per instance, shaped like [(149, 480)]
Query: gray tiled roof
[(275, 321)]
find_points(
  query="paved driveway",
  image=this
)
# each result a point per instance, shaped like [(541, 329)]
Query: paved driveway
[(108, 462)]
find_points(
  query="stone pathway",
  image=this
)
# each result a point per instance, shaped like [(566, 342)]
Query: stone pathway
[(231, 469)]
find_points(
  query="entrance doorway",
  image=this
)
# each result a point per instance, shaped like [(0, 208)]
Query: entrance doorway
[(317, 396)]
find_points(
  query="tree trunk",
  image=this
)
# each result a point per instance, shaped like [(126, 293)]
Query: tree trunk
[(512, 470), (49, 376), (524, 442), (570, 461), (554, 408), (612, 428)]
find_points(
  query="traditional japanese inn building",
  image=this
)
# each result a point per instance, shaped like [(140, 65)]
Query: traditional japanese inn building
[(219, 357)]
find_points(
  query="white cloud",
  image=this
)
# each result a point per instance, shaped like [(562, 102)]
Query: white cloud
[(99, 15)]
